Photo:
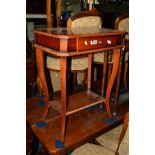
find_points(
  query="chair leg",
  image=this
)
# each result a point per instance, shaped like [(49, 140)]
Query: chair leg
[(95, 73), (105, 63), (85, 78), (109, 71), (75, 78), (125, 74)]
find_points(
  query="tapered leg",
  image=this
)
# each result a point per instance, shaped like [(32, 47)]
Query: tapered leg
[(41, 76), (112, 79), (118, 83), (63, 72)]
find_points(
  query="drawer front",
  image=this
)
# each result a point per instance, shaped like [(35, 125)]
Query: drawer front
[(79, 44), (98, 42), (47, 41)]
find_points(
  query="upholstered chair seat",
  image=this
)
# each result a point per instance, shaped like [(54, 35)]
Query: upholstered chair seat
[(117, 139), (99, 58), (77, 64), (92, 149), (113, 142), (109, 142), (111, 138), (124, 146)]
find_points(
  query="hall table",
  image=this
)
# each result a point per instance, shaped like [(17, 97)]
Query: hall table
[(66, 43)]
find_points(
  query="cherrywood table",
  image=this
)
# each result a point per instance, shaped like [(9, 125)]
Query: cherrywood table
[(66, 43)]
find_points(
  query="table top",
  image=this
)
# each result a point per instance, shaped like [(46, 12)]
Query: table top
[(78, 39), (74, 32)]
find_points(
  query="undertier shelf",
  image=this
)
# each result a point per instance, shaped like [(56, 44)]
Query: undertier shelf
[(78, 101)]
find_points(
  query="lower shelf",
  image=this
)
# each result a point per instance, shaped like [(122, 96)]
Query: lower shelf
[(78, 101)]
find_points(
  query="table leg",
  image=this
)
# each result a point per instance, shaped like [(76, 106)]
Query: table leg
[(41, 76), (63, 73), (112, 79), (118, 83)]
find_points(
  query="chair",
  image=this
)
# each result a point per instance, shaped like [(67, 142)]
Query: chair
[(78, 64), (91, 18), (122, 23), (106, 59), (114, 142), (117, 137)]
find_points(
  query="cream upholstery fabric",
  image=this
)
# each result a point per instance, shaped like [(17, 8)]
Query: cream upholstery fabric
[(56, 82), (76, 63), (92, 149), (86, 29), (99, 57), (124, 147), (88, 21), (124, 26), (126, 56), (109, 143), (110, 140)]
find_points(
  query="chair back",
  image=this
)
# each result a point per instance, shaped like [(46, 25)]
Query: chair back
[(85, 19), (122, 24)]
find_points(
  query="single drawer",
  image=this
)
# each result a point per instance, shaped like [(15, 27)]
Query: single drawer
[(88, 43)]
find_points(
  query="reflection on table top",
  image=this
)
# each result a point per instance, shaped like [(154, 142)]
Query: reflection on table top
[(73, 32)]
